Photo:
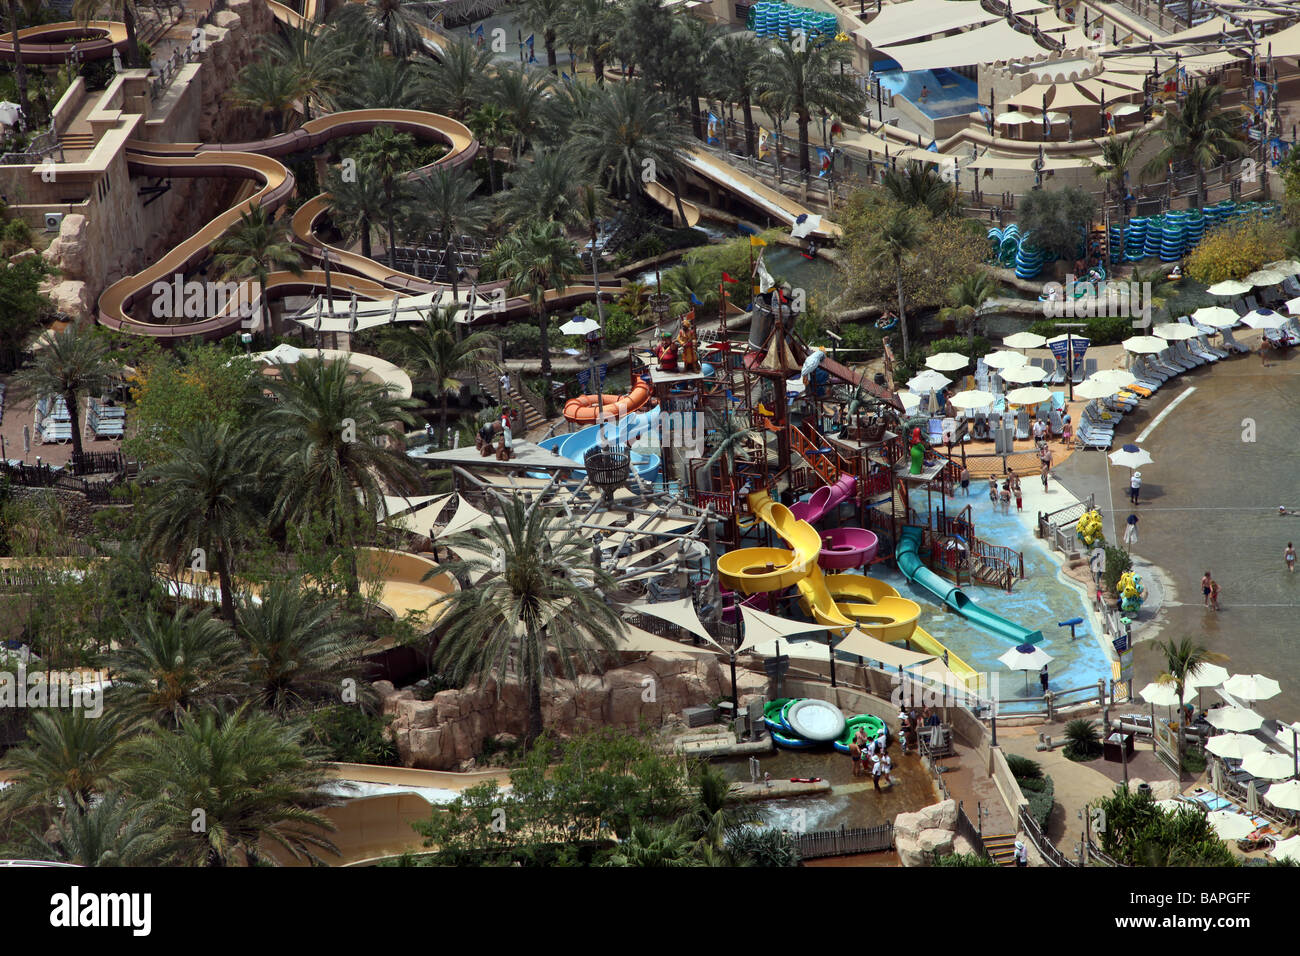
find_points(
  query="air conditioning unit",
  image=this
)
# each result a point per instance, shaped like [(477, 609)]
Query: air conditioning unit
[(53, 220)]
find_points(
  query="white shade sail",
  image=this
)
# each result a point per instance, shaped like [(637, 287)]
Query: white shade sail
[(680, 612), (761, 627), (865, 646), (466, 518), (997, 41), (635, 639)]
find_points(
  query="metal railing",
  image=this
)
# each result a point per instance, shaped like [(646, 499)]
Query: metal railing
[(968, 830), (1045, 847)]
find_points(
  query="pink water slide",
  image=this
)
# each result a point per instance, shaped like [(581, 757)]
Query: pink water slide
[(824, 500), (845, 548)]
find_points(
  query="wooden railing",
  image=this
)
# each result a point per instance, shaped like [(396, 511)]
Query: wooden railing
[(845, 841), (968, 830), (46, 476), (1046, 849)]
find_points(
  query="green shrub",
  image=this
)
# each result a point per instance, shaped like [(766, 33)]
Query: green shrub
[(1024, 768), (1084, 740), (17, 230), (1041, 802), (521, 340), (1099, 330), (861, 335), (763, 847), (1194, 760), (963, 859), (351, 735)]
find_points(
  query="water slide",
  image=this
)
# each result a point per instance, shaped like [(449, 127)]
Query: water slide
[(582, 409), (576, 444), (951, 596), (775, 204), (664, 197), (50, 43)]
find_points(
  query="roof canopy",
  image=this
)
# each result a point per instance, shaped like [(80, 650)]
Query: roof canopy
[(917, 19), (997, 41)]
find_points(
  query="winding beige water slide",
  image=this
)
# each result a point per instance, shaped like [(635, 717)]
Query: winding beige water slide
[(775, 204), (51, 42)]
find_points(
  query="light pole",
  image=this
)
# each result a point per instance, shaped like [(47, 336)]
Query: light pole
[(1069, 353)]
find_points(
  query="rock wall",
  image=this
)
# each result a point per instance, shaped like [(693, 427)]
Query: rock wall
[(447, 731), (929, 832)]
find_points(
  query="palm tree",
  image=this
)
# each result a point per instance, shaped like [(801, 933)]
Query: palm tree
[(544, 17), (111, 832), (550, 187), (776, 105), (492, 128), (268, 86), (537, 258), (174, 665), (125, 10), (220, 790), (72, 362), (357, 203), (443, 203), (67, 751), (695, 38), (689, 282), (392, 22), (1117, 156), (810, 79), (546, 595), (385, 153), (335, 440), (633, 299), (299, 648), (204, 498), (20, 67), (1200, 132), (965, 298), (630, 133), (565, 109), (669, 845), (717, 815), (318, 59), (898, 240), (730, 438), (590, 26), (521, 94), (919, 185), (737, 69), (442, 355), (1183, 659), (457, 78), (254, 247), (385, 83)]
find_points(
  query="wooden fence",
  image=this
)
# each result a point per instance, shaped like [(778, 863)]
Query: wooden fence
[(968, 830), (845, 841), (47, 476)]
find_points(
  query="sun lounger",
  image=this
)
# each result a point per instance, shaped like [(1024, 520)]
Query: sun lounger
[(1147, 373), (1022, 425), (1183, 352), (1171, 358), (1086, 438), (1231, 342)]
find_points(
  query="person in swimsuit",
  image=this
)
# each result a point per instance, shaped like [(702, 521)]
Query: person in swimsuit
[(993, 489), (1205, 587), (965, 482), (1289, 555), (856, 753), (1214, 594)]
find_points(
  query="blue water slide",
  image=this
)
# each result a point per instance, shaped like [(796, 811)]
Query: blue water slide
[(576, 444)]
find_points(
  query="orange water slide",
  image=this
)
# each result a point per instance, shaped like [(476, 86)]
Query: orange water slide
[(583, 408)]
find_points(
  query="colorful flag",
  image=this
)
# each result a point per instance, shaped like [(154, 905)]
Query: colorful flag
[(695, 300), (727, 278), (765, 280), (763, 137), (757, 241), (715, 125), (824, 158)]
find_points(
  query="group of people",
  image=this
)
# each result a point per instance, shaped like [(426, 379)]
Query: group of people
[(872, 756), (1210, 590), (486, 439), (1010, 486)]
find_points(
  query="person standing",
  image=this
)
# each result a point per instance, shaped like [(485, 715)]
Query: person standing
[(886, 764), (505, 386), (1022, 853), (1289, 555), (1005, 497), (1206, 581), (1135, 486), (877, 768), (855, 752), (1043, 678), (1131, 532), (1015, 489), (1043, 470), (965, 482), (993, 489), (1214, 594)]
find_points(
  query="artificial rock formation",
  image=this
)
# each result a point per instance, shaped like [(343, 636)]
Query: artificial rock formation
[(929, 832), (446, 731)]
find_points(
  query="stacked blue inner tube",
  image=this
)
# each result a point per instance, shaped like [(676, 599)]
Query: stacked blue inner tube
[(776, 19), (1029, 261), (1172, 237), (1135, 239)]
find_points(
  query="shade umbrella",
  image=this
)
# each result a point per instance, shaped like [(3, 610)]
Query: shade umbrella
[(582, 326), (1174, 806), (1289, 266), (1288, 849), (1161, 695), (1125, 109), (1119, 377), (1092, 389), (1207, 675), (1026, 657), (1235, 719), (927, 381), (1216, 317), (1230, 825), (1056, 116), (910, 401), (1285, 796), (1265, 319), (1230, 287), (1251, 687), (1024, 340), (1293, 305), (1022, 374), (1233, 746), (1130, 456), (1004, 359), (972, 398), (947, 361), (1030, 395), (1175, 331), (1270, 766), (1252, 793), (1014, 118), (1266, 277), (1145, 345)]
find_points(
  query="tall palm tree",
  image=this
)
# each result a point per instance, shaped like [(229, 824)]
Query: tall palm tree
[(521, 94), (919, 185), (545, 594), (1200, 132), (737, 69), (357, 205), (442, 355), (385, 153), (394, 23), (336, 442), (73, 362), (220, 790), (898, 240), (717, 814), (1183, 659), (965, 298), (564, 109), (318, 59), (66, 751), (1117, 156), (808, 80), (776, 104), (112, 832), (175, 664), (491, 127), (298, 648), (253, 248), (550, 187), (125, 10), (590, 26), (695, 38), (629, 134), (537, 258), (269, 86), (544, 17), (385, 83), (456, 80), (443, 203), (20, 67)]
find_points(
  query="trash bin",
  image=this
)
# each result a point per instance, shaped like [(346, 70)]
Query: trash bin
[(1144, 789)]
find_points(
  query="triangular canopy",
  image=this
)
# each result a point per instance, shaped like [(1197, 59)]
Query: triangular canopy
[(638, 640), (680, 612), (761, 627), (864, 646), (466, 518)]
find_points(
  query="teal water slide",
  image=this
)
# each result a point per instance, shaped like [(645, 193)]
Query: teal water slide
[(951, 596)]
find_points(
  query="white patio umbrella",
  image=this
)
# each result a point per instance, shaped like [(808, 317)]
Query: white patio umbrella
[(1230, 825), (1264, 319), (1233, 746), (1014, 118), (1004, 359), (1289, 266), (1216, 316), (1162, 695), (972, 399), (911, 402), (582, 326), (947, 361), (1251, 686), (1145, 345), (1024, 340), (1293, 305), (1235, 719), (1175, 331), (927, 381), (1119, 377), (1125, 109), (1022, 374), (1270, 766), (1026, 657), (1230, 287), (1285, 796), (1252, 793), (1031, 395), (1131, 456), (1288, 849), (1090, 389), (1207, 675), (1266, 277), (1174, 806)]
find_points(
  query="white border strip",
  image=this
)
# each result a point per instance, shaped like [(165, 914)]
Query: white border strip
[(1161, 417)]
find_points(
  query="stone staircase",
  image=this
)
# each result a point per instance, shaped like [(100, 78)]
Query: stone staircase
[(77, 141), (1002, 848), (490, 383)]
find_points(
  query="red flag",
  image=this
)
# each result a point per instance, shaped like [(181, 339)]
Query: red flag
[(727, 278), (781, 295), (836, 128)]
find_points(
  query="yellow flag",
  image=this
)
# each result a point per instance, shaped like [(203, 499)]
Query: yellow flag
[(756, 241)]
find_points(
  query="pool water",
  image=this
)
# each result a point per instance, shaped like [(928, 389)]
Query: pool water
[(946, 93)]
